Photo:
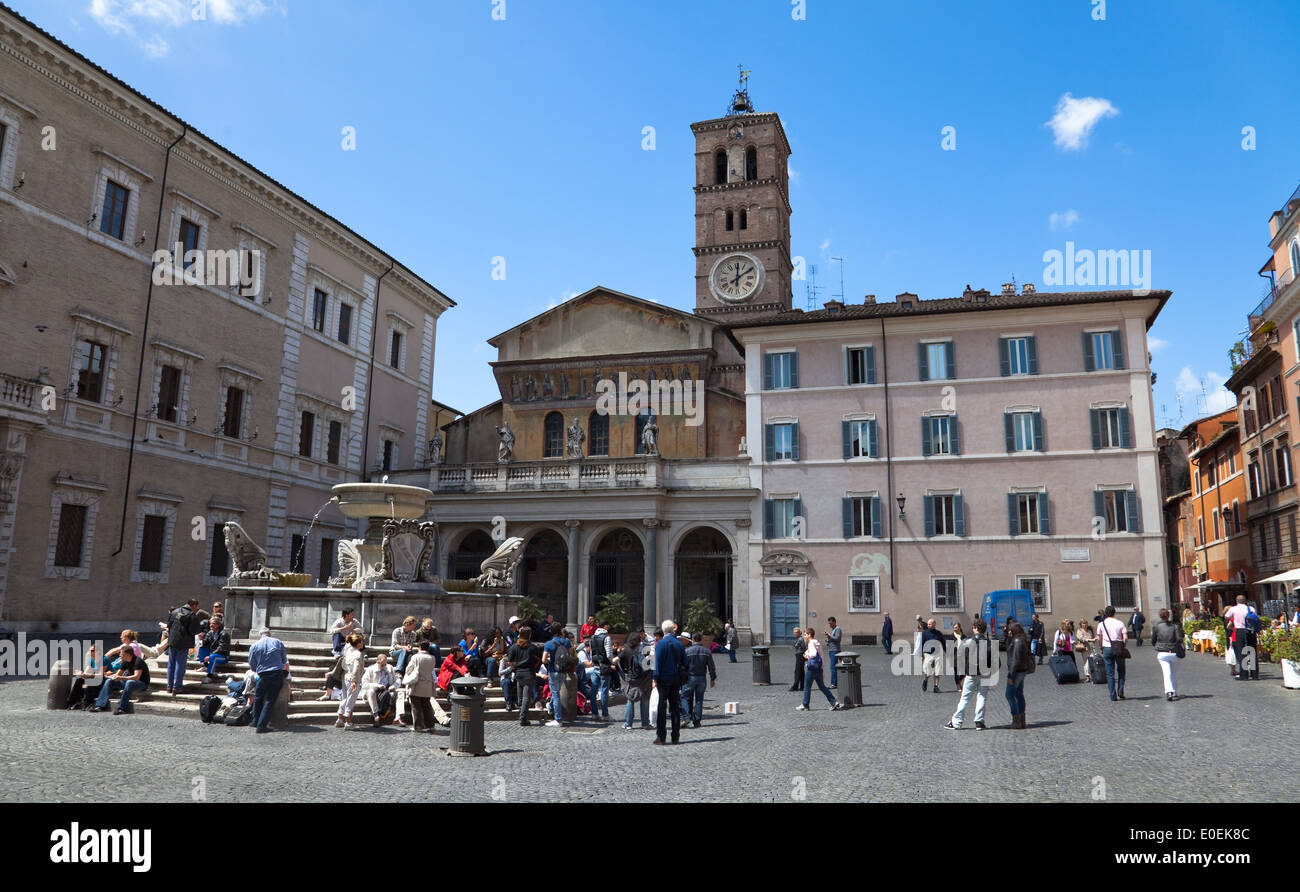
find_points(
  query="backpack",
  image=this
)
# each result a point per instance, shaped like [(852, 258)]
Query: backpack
[(562, 659), (208, 707), (387, 708), (239, 716), (1253, 622)]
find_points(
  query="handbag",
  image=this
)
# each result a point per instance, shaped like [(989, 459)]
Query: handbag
[(1118, 649)]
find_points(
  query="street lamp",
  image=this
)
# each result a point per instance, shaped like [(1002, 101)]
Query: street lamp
[(901, 501)]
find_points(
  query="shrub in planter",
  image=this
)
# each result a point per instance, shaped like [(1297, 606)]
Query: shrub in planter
[(528, 607), (1287, 645), (615, 608), (700, 618)]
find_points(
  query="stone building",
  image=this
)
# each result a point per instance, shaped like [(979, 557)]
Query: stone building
[(1218, 507), (140, 411)]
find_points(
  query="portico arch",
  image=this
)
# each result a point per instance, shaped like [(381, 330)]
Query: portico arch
[(703, 561), (617, 564)]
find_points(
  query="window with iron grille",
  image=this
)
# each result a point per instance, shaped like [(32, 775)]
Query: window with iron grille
[(334, 442), (863, 593), (553, 433), (72, 531), (947, 593), (152, 538), (1121, 592), (1037, 587)]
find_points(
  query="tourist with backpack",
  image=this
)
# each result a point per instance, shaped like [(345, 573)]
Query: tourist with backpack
[(1242, 624), (634, 668), (1020, 662), (602, 654), (560, 662), (522, 662), (1112, 636), (182, 625)]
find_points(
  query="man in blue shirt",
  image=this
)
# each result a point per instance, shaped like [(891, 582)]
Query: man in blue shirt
[(669, 657), (555, 674), (269, 661), (699, 660)]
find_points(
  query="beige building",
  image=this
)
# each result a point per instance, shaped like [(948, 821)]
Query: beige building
[(138, 411)]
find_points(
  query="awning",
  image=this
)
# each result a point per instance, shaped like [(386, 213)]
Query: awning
[(1288, 576), (1210, 583)]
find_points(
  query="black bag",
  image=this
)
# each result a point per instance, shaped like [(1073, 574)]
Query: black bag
[(208, 707), (1097, 669), (1063, 668), (240, 715), (562, 659), (387, 707)]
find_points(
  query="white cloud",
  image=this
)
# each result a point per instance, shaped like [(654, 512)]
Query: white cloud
[(791, 172), (155, 47), (825, 246), (1064, 220), (568, 294), (1217, 398), (1075, 118), (123, 16), (1155, 344)]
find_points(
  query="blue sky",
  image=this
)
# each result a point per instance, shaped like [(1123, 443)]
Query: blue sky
[(522, 138)]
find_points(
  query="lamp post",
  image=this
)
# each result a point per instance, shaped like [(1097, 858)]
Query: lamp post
[(901, 501)]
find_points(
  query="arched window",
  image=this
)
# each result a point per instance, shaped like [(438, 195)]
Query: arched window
[(744, 219), (1295, 257), (553, 441), (598, 434), (751, 163), (720, 167), (730, 221)]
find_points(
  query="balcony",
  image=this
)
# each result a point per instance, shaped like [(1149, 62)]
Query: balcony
[(1271, 293), (632, 472), (21, 398)]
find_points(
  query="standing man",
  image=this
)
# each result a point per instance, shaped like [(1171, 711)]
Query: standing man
[(602, 654), (1037, 637), (931, 645), (732, 637), (699, 661), (833, 639), (968, 662), (183, 624), (1136, 622), (559, 660), (270, 663), (1237, 619), (887, 633), (670, 658)]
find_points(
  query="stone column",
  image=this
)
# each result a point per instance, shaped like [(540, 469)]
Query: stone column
[(575, 571), (652, 618)]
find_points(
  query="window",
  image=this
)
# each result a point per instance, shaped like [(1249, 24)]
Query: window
[(1038, 587), (1196, 481), (91, 358), (744, 219), (782, 442), (72, 532), (751, 165), (219, 563), (390, 454), (1252, 474), (1214, 516), (597, 434), (232, 421), (720, 167), (1024, 431), (1209, 474), (319, 309), (1029, 512), (151, 543), (306, 427), (860, 365), (945, 515), (328, 551), (553, 436), (297, 553), (1119, 508), (112, 219), (859, 438), (1235, 518), (169, 393), (1018, 356), (1232, 463), (1102, 350), (189, 236), (345, 323), (395, 350), (780, 371), (946, 593), (1295, 258), (939, 435), (333, 442), (1275, 401), (731, 221), (864, 594), (4, 131), (1284, 463), (1122, 592), (937, 361), (1270, 470), (1111, 428), (779, 518), (1200, 528), (861, 515)]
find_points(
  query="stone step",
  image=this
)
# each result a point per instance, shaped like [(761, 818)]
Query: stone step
[(304, 712)]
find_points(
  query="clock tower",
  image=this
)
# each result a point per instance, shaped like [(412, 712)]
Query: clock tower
[(742, 214)]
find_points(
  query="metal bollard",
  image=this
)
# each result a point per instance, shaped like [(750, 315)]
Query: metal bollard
[(280, 710), (56, 695), (467, 699), (762, 663), (569, 698), (850, 675)]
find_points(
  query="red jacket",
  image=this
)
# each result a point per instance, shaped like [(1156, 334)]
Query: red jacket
[(451, 669), (587, 632)]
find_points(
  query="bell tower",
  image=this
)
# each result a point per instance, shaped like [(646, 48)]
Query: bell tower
[(742, 213)]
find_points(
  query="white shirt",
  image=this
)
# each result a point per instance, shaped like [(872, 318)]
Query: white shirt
[(1110, 625), (373, 677), (1237, 614)]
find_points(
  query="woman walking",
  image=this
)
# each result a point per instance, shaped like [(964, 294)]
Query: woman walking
[(958, 635), (1063, 642), (1085, 642), (354, 666), (813, 662), (1111, 634), (1167, 639), (800, 643), (1018, 657)]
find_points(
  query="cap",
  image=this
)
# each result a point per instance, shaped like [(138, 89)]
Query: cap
[(514, 619)]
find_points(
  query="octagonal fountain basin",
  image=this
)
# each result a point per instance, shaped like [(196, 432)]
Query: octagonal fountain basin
[(381, 500)]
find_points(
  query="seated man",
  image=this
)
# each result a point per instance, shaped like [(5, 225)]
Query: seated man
[(215, 652), (403, 644), (342, 627), (374, 682), (131, 677), (86, 684)]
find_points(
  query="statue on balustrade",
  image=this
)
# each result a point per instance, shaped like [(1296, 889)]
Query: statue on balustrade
[(650, 437), (506, 446), (575, 437)]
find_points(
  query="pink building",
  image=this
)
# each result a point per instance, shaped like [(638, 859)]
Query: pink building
[(917, 454)]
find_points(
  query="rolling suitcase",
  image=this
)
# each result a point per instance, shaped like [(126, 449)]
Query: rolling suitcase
[(1097, 669), (1063, 668)]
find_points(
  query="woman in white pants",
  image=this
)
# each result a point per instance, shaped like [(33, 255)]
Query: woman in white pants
[(354, 667), (1167, 639)]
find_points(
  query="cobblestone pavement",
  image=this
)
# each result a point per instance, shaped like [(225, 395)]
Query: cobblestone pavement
[(892, 750)]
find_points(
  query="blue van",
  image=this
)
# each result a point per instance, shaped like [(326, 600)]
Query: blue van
[(1004, 605)]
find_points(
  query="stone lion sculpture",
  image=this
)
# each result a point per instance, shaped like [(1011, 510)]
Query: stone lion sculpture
[(349, 556), (498, 571), (247, 558)]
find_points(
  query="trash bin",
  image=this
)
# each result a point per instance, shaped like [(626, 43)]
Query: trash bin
[(56, 695), (467, 699), (762, 663), (850, 678)]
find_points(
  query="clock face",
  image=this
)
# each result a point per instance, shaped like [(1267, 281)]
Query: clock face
[(736, 278)]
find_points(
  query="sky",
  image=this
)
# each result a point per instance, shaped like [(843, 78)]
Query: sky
[(516, 129)]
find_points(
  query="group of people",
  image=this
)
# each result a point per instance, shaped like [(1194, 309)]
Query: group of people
[(810, 658)]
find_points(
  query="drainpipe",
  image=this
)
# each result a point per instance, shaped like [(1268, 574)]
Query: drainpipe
[(144, 344), (887, 502), (370, 377)]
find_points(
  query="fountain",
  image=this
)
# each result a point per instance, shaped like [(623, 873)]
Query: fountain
[(385, 575)]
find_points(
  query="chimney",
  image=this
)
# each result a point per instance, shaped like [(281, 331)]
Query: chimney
[(1029, 288), (1008, 287), (869, 299)]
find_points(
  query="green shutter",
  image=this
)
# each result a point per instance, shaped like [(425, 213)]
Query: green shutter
[(1004, 358), (1131, 509), (797, 508), (923, 370), (1038, 431), (950, 355), (1125, 429), (870, 358), (1013, 514), (794, 369), (1094, 416), (929, 515), (767, 371), (794, 441), (925, 435), (846, 514), (1031, 346), (769, 520), (1099, 507), (875, 516), (954, 435), (846, 438), (1089, 361), (769, 442), (959, 514), (872, 440), (1117, 345), (1009, 428), (1044, 514)]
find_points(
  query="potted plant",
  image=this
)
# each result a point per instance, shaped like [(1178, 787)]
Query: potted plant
[(527, 608), (1288, 654), (617, 610), (701, 618)]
